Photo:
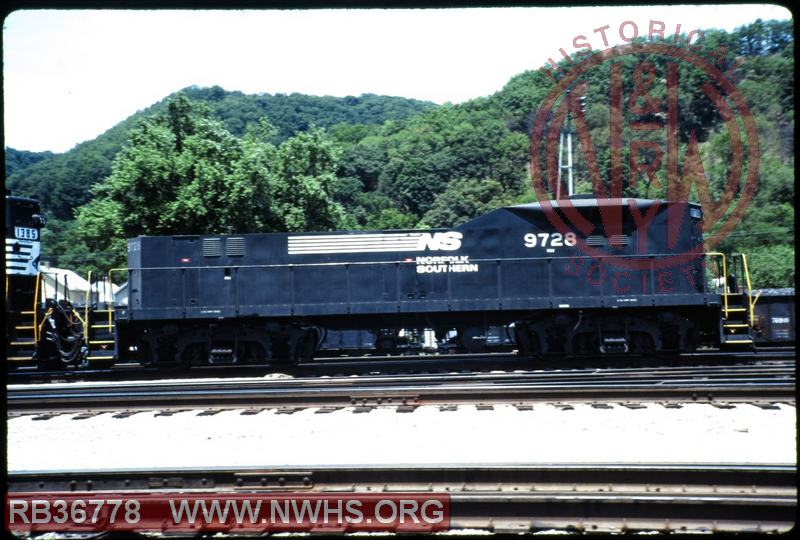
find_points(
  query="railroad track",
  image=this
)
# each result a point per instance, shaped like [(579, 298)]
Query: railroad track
[(765, 382), (397, 365), (501, 498)]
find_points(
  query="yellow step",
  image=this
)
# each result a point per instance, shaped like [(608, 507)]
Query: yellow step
[(102, 326), (26, 313), (101, 341), (735, 325), (735, 309), (90, 358), (20, 343), (727, 341), (19, 358)]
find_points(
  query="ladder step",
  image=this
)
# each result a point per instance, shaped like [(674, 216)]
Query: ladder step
[(735, 309), (101, 342), (100, 357), (26, 313), (20, 343), (746, 340), (19, 358), (102, 326), (24, 327), (735, 325)]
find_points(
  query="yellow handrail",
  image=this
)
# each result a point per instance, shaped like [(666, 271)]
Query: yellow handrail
[(44, 320), (724, 278), (36, 309), (86, 309), (750, 299), (78, 315), (111, 307)]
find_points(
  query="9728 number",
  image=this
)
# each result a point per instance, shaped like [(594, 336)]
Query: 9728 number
[(549, 239)]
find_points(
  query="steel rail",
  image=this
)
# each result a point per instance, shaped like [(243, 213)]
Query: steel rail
[(498, 497), (701, 385), (397, 363), (410, 370), (767, 370)]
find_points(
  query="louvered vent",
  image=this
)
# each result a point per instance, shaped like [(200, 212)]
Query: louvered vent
[(212, 247), (234, 247), (596, 241), (619, 240)]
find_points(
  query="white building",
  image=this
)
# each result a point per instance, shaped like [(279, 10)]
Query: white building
[(59, 283)]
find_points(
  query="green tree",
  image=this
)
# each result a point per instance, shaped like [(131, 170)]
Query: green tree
[(182, 172), (446, 143), (305, 183), (771, 266), (464, 200), (390, 218)]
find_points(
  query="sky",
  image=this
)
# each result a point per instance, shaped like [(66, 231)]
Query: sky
[(70, 75)]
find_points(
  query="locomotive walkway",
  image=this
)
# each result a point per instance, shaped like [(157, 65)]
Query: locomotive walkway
[(766, 382)]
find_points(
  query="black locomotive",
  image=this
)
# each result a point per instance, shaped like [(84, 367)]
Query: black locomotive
[(265, 297), (36, 326), (627, 276)]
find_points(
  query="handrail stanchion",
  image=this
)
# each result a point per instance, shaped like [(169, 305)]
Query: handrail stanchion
[(36, 308), (724, 278), (86, 309), (112, 302), (750, 299)]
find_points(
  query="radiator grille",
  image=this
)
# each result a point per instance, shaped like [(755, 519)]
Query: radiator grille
[(235, 247), (212, 247), (619, 240), (596, 240)]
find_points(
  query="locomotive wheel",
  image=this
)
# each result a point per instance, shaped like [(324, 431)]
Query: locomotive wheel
[(642, 343), (46, 362), (101, 364), (691, 340), (194, 355), (527, 342), (472, 339), (144, 354), (302, 345), (385, 344), (308, 346)]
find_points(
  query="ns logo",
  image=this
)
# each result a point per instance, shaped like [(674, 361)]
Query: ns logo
[(440, 241)]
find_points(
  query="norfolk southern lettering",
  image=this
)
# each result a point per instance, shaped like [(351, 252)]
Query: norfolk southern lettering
[(438, 265)]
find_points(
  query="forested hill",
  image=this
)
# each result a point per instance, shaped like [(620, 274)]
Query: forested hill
[(19, 159), (293, 113), (62, 181), (210, 161)]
